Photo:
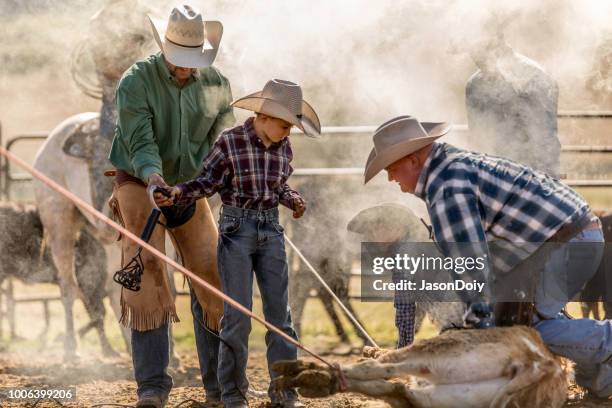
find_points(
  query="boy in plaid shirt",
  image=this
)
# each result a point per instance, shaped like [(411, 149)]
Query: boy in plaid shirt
[(249, 166)]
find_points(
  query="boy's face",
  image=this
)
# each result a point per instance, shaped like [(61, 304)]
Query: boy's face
[(275, 129)]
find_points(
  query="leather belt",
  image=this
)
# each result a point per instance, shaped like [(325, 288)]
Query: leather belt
[(587, 222)]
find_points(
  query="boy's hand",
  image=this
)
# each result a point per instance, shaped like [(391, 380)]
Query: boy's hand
[(300, 207), (166, 196)]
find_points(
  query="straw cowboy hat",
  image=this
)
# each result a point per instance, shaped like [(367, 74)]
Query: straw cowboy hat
[(398, 138), (283, 99), (186, 40)]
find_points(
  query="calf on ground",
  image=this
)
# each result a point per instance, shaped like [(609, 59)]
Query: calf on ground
[(492, 368)]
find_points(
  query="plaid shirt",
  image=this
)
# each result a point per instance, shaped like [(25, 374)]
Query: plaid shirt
[(244, 172), (508, 209)]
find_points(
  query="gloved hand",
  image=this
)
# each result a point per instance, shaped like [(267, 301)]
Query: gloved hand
[(479, 316)]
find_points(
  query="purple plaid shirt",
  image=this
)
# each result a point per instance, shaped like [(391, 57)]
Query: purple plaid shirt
[(244, 172)]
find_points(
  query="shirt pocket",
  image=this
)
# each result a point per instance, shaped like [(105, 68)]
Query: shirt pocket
[(278, 172), (201, 115)]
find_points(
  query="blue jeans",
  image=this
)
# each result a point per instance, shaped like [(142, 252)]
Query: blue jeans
[(252, 241), (587, 342), (151, 353)]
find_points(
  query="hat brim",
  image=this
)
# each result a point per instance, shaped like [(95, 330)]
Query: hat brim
[(308, 123), (379, 161), (188, 57), (380, 216)]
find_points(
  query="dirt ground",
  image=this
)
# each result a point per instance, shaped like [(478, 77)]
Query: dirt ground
[(109, 381), (106, 383)]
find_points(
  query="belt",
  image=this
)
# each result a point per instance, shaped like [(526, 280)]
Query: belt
[(589, 221), (270, 214), (122, 177)]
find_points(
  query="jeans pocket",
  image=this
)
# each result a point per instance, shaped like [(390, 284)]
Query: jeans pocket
[(277, 227), (229, 225)]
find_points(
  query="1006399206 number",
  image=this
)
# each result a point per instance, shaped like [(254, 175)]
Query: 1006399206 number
[(15, 394)]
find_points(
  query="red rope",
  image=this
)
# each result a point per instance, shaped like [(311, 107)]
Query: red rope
[(131, 236)]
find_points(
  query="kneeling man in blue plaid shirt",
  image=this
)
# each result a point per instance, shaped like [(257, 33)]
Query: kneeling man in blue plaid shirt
[(493, 202)]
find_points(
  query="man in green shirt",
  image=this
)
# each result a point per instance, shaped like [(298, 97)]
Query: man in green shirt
[(171, 108)]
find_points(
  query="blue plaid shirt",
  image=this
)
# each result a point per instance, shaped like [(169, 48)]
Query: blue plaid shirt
[(493, 202)]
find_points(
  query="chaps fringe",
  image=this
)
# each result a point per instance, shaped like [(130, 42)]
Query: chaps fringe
[(143, 321)]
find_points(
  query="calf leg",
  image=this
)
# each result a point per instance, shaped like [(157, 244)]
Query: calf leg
[(431, 364), (528, 376), (316, 381)]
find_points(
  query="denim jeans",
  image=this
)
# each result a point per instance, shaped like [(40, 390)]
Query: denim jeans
[(252, 241), (151, 353), (587, 342)]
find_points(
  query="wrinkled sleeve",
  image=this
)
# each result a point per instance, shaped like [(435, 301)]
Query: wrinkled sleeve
[(134, 119), (225, 119), (215, 171)]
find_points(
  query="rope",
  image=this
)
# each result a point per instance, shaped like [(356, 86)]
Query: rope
[(331, 292), (88, 86), (155, 252)]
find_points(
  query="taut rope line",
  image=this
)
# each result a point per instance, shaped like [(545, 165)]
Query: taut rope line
[(331, 292), (134, 238)]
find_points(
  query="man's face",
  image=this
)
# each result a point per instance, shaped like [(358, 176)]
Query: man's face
[(405, 172), (180, 73), (276, 129)]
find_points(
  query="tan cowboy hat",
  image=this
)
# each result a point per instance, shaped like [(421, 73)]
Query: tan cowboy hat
[(283, 99), (186, 40), (399, 137)]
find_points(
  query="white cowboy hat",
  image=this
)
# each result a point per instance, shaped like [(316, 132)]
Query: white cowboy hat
[(186, 40), (398, 138), (381, 216), (283, 99)]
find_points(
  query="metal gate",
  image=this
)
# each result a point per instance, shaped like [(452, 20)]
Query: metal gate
[(8, 179)]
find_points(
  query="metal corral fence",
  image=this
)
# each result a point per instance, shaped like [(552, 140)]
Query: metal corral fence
[(8, 178)]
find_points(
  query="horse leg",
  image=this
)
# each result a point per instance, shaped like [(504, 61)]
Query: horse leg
[(175, 361), (96, 311), (328, 304), (91, 276), (113, 291), (62, 233), (300, 283), (345, 298)]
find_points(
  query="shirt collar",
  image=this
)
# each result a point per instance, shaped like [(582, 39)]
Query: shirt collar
[(420, 190), (249, 128)]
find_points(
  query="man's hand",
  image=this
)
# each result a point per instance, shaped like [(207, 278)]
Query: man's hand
[(156, 180), (479, 316), (299, 207), (166, 198)]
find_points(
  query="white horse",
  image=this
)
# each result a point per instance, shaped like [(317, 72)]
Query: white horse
[(65, 157)]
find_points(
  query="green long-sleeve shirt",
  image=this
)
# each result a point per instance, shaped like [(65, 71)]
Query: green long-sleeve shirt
[(163, 128)]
